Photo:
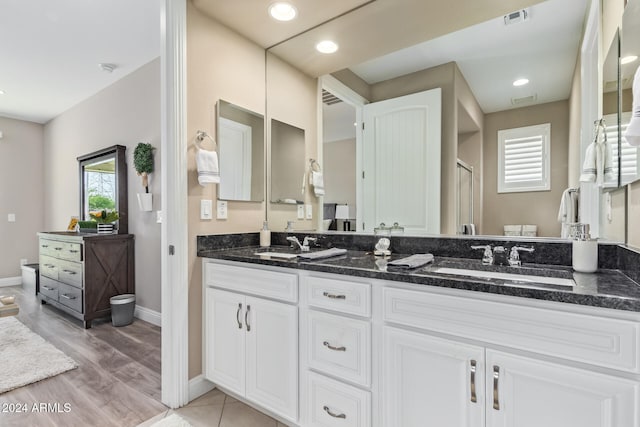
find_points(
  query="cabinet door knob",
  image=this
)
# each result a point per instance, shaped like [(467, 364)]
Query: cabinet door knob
[(330, 347), (238, 316), (472, 380), (496, 394), (334, 415), (334, 296)]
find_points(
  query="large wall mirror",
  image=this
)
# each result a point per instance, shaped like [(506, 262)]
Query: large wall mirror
[(629, 63), (103, 184), (241, 149)]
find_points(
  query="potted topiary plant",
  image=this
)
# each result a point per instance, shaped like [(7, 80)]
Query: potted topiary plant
[(143, 164)]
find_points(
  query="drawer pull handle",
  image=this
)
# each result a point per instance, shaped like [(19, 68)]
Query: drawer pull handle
[(69, 271), (496, 395), (238, 316), (67, 296), (334, 296), (330, 347), (472, 380), (73, 251), (45, 246), (328, 411), (49, 265), (47, 288), (246, 318), (58, 249)]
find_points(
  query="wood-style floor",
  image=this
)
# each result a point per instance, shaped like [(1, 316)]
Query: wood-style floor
[(117, 382)]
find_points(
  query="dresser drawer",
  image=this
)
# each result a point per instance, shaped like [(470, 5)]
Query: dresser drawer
[(340, 346), (70, 296), (49, 287), (612, 343), (71, 251), (70, 273), (47, 247), (344, 296), (256, 281), (333, 404), (49, 267)]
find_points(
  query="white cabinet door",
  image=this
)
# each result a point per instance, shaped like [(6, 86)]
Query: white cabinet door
[(225, 339), (272, 356), (429, 381), (523, 392)]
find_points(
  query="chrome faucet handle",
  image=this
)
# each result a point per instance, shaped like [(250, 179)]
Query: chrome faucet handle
[(487, 256), (294, 241), (307, 240), (514, 255)]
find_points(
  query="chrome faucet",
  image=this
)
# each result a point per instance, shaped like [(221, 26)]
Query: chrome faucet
[(514, 255), (304, 246), (487, 256)]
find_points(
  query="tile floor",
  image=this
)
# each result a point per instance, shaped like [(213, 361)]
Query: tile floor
[(216, 409)]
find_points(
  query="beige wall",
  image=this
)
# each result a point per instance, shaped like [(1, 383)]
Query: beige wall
[(125, 113), (220, 65), (539, 207), (21, 188), (292, 98), (575, 123), (339, 158), (633, 213)]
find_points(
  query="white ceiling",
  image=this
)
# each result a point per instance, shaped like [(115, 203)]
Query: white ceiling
[(51, 49)]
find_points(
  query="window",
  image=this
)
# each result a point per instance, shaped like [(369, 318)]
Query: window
[(523, 159)]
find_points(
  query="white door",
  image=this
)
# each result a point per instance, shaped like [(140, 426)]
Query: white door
[(235, 160), (430, 381), (272, 356), (225, 339), (523, 392), (401, 162)]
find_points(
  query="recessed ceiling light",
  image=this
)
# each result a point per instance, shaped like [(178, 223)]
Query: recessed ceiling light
[(520, 82), (628, 59), (283, 11), (327, 46)]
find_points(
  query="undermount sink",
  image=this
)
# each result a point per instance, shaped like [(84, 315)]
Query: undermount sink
[(511, 277)]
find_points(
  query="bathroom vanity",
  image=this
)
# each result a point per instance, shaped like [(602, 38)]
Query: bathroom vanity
[(80, 272), (344, 341)]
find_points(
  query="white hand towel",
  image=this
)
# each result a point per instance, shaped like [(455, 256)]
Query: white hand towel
[(208, 169), (607, 167), (632, 134), (567, 212), (317, 180), (589, 167)]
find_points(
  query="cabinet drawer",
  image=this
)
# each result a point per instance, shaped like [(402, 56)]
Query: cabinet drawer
[(333, 404), (612, 343), (70, 273), (70, 296), (71, 251), (344, 296), (340, 346), (47, 247), (49, 287), (49, 267), (256, 281)]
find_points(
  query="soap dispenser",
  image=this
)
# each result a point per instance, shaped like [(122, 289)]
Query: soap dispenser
[(585, 250), (265, 235)]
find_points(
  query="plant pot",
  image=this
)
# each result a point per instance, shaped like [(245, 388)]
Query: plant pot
[(145, 201), (105, 228)]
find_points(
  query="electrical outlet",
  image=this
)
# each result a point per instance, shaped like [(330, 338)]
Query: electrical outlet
[(300, 211), (309, 211), (206, 209), (222, 209), (11, 217)]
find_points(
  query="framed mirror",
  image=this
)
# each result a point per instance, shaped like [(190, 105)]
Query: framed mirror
[(629, 62), (241, 150), (103, 184), (287, 163)]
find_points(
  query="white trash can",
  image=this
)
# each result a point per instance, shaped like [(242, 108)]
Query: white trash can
[(30, 278), (122, 308)]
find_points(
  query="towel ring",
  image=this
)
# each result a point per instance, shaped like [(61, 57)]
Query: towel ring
[(200, 136), (314, 165)]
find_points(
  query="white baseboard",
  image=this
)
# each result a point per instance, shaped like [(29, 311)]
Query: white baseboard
[(199, 386), (148, 315), (11, 281)]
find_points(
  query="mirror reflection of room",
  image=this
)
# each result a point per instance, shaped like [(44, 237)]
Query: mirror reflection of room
[(287, 163)]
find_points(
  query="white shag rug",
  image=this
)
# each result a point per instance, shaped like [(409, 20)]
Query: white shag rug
[(173, 420), (25, 357)]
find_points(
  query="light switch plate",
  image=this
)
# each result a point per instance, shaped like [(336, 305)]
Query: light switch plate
[(309, 211), (11, 217), (159, 217), (206, 209), (222, 209), (300, 211)]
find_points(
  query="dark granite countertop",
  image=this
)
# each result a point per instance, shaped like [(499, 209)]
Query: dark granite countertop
[(608, 288)]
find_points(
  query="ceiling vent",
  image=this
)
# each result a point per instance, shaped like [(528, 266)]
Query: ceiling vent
[(329, 98), (516, 17), (524, 100)]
